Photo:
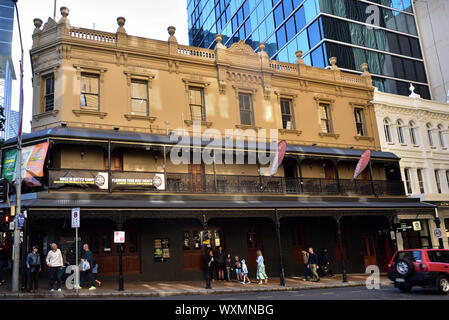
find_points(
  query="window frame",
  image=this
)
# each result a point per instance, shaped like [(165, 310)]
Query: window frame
[(429, 129), (251, 107), (400, 131), (328, 119), (86, 107), (142, 81), (441, 137), (387, 130), (45, 94), (420, 175), (437, 179), (408, 182), (362, 124), (202, 106), (413, 133), (291, 115)]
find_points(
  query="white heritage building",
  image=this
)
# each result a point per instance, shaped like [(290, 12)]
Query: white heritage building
[(417, 131)]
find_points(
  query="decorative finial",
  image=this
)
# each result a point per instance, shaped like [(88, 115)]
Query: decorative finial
[(171, 30), (333, 62), (218, 38), (298, 55), (365, 67), (262, 46), (412, 91), (64, 11), (121, 22), (37, 24)]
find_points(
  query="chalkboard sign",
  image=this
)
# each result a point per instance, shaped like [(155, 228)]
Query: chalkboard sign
[(161, 250)]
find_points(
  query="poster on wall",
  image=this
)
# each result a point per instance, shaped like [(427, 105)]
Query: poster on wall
[(137, 181), (33, 158), (161, 250)]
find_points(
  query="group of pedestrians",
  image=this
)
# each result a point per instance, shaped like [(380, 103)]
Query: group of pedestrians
[(313, 267), (219, 262), (56, 264)]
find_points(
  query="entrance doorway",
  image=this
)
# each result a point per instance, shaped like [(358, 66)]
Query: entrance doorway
[(369, 251), (106, 254), (254, 243), (196, 172)]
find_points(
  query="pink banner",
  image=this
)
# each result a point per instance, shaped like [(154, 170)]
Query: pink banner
[(361, 165), (280, 153)]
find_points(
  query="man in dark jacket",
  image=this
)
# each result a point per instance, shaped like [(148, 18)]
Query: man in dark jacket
[(326, 263), (313, 262), (89, 258), (220, 259), (33, 264)]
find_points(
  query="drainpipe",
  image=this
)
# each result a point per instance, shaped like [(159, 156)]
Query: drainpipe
[(342, 254)]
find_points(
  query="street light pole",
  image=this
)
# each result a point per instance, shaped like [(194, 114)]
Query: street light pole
[(16, 265)]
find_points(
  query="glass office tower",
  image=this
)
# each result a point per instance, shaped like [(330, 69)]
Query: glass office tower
[(322, 29), (7, 74)]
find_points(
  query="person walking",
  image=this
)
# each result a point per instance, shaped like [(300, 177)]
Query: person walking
[(33, 263), (305, 259), (220, 259), (238, 268), (261, 274), (95, 274), (313, 262), (327, 267), (3, 262), (244, 272), (228, 262), (88, 272)]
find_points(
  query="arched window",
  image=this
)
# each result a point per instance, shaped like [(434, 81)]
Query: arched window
[(413, 133), (441, 136), (429, 134), (387, 130), (400, 130)]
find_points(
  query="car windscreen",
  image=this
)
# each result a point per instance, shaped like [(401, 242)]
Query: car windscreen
[(438, 256), (414, 256)]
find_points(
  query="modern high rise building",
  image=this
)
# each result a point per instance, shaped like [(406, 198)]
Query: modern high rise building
[(6, 66), (380, 32), (432, 22)]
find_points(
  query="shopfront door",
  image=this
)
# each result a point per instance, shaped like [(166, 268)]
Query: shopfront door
[(105, 251), (254, 242), (369, 251), (196, 172), (193, 254)]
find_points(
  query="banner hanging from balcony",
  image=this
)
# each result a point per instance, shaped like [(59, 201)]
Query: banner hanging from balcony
[(279, 156), (33, 158), (81, 179), (361, 165), (94, 180)]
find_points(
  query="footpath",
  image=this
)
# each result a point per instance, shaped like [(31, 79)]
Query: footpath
[(109, 289)]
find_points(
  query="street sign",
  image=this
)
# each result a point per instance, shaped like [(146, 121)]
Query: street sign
[(437, 233), (21, 220), (119, 236), (11, 226), (75, 217), (416, 225)]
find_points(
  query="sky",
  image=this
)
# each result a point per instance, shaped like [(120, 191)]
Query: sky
[(144, 18)]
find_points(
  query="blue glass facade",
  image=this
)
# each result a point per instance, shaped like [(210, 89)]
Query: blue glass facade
[(321, 29), (7, 74)]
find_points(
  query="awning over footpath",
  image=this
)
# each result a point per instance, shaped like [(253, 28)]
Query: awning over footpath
[(92, 134), (228, 204)]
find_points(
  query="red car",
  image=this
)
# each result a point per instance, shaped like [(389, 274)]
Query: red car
[(427, 268)]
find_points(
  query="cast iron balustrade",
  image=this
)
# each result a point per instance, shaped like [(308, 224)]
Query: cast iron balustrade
[(238, 184)]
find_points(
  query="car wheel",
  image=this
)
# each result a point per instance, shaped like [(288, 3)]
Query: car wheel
[(443, 285), (404, 267), (406, 288)]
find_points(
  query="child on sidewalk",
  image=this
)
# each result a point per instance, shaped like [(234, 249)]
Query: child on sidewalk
[(238, 268), (245, 272)]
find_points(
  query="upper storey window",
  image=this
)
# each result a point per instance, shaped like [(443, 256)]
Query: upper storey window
[(196, 101), (90, 94), (49, 97), (246, 109), (139, 97), (326, 124)]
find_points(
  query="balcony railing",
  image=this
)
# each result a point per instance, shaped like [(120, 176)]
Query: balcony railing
[(90, 180)]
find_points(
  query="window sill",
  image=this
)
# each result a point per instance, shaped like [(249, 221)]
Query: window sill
[(246, 126), (80, 112), (364, 138), (292, 131), (39, 116), (416, 145), (327, 134), (404, 144), (443, 148), (130, 117), (190, 123), (391, 143), (433, 147)]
